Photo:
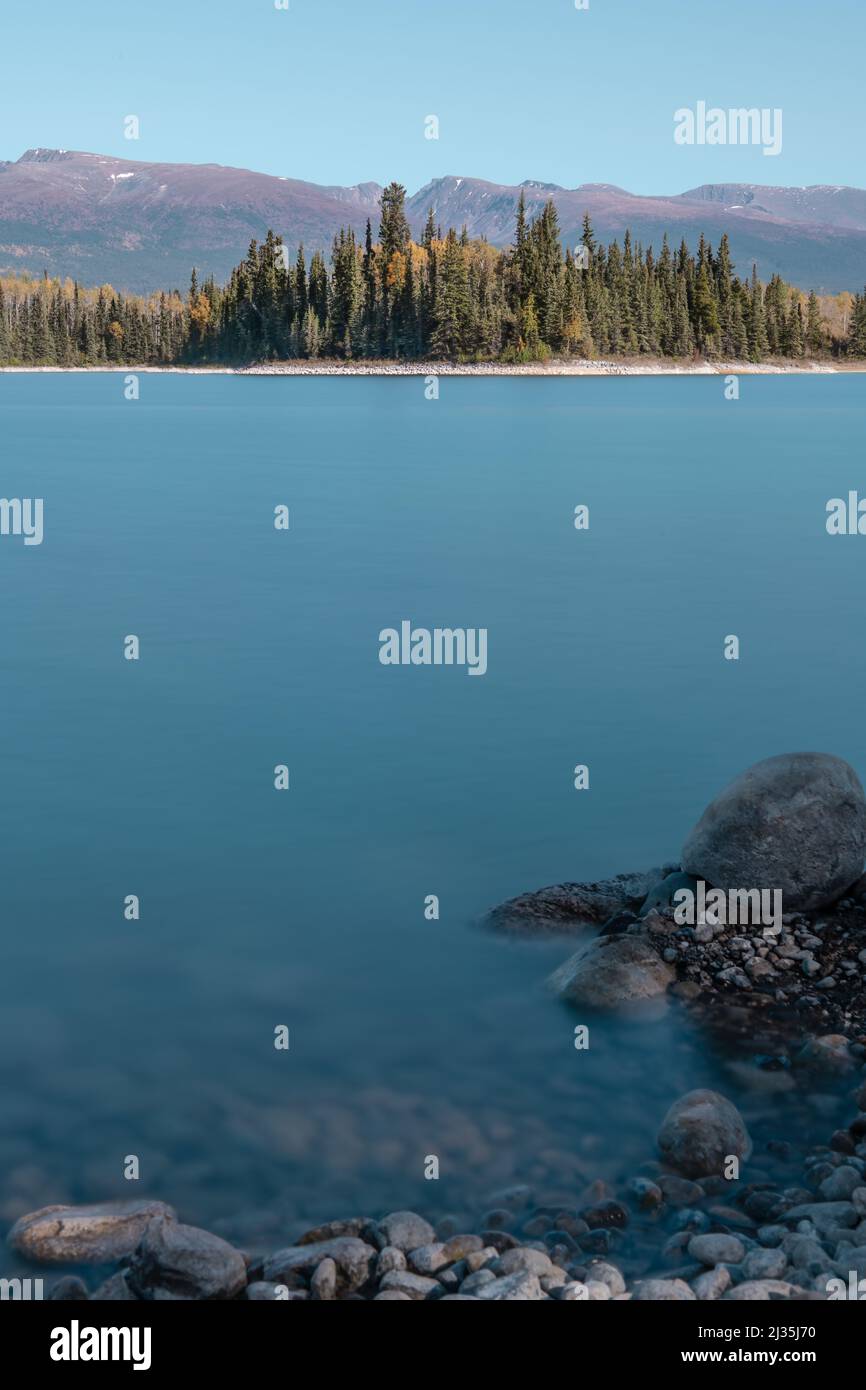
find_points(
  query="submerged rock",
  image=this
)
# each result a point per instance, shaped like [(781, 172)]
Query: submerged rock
[(611, 973), (98, 1234), (700, 1132), (572, 907), (796, 822)]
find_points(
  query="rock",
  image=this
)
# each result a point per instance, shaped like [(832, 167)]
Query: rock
[(114, 1290), (427, 1259), (388, 1260), (573, 907), (700, 1131), (476, 1281), (761, 1290), (69, 1289), (262, 1292), (716, 1249), (524, 1260), (829, 1053), (841, 1185), (332, 1230), (825, 1216), (89, 1235), (662, 1290), (353, 1258), (712, 1285), (407, 1231), (765, 1264), (522, 1287), (796, 822), (457, 1247), (323, 1285), (612, 972), (661, 896), (599, 1271), (174, 1261), (415, 1286), (395, 1296)]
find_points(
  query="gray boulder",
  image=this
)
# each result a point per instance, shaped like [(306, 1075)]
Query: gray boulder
[(700, 1131), (796, 822), (177, 1262), (612, 972), (97, 1234)]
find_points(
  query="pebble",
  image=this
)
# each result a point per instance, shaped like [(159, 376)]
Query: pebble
[(407, 1230), (716, 1249), (522, 1287), (353, 1258), (413, 1285), (323, 1285)]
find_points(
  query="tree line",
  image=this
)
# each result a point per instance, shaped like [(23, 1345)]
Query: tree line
[(448, 296)]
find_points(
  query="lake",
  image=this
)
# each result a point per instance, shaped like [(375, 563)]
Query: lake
[(305, 908)]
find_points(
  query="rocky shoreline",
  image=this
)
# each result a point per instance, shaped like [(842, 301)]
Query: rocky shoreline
[(566, 366), (709, 1217), (671, 1232)]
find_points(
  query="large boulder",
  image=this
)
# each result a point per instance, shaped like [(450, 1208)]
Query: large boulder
[(612, 972), (796, 822), (96, 1234), (700, 1132)]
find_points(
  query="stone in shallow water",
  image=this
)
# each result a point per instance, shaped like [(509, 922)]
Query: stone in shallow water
[(180, 1262), (573, 907), (700, 1131), (614, 972), (796, 822), (98, 1234)]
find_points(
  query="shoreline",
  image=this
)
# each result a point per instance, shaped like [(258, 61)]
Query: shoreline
[(554, 367)]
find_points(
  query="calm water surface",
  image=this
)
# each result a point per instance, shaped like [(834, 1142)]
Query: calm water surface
[(408, 1037)]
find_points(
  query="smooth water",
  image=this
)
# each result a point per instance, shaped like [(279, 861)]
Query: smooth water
[(306, 908)]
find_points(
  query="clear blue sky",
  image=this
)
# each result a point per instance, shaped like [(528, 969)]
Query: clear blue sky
[(336, 91)]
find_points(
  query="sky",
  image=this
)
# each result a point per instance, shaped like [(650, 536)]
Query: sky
[(338, 91)]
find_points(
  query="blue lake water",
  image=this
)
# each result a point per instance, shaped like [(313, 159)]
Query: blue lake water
[(306, 908)]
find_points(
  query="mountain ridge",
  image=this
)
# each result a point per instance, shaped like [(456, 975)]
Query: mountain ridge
[(142, 225)]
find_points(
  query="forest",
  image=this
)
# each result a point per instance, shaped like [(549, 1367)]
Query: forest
[(444, 298)]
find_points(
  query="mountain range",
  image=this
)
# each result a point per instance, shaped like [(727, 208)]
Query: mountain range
[(143, 226)]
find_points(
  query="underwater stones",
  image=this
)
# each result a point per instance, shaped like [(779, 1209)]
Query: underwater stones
[(700, 1132), (612, 972)]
